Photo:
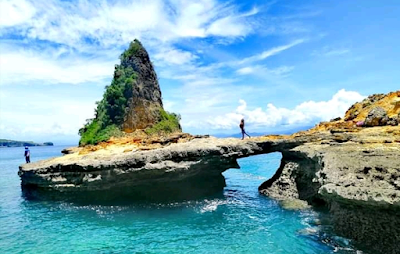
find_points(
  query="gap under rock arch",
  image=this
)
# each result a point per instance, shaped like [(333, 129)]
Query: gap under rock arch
[(253, 172)]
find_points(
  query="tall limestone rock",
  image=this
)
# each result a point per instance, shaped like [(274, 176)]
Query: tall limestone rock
[(143, 106), (132, 101)]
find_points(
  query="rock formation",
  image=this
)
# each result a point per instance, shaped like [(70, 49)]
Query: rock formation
[(143, 106), (376, 110), (132, 101), (138, 168)]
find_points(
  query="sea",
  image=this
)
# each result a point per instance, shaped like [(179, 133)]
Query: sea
[(235, 220)]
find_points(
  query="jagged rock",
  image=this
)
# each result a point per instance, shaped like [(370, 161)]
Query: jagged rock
[(376, 117), (131, 102), (356, 109), (389, 102), (142, 110), (358, 180), (394, 121)]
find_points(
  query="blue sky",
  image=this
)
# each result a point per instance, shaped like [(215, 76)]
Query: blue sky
[(279, 64)]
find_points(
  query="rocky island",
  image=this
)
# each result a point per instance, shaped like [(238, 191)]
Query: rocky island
[(133, 150), (15, 143)]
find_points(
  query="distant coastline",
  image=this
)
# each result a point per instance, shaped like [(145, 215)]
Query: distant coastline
[(14, 143)]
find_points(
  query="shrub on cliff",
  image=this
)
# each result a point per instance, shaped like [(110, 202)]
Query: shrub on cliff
[(92, 133), (168, 123)]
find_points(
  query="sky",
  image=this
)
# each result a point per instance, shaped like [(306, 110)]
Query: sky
[(280, 65)]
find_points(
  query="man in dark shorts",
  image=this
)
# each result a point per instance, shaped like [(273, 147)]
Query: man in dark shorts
[(241, 125), (27, 155)]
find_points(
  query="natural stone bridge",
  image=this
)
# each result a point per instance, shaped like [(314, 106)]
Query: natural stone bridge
[(314, 167), (176, 171)]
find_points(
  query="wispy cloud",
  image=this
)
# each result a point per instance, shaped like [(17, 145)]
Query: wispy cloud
[(89, 32), (270, 52), (171, 56), (330, 51), (261, 69), (23, 66), (116, 23)]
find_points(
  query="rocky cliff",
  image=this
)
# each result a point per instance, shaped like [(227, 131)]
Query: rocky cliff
[(143, 107), (353, 168)]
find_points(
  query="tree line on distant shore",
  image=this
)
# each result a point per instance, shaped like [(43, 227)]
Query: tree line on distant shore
[(14, 143)]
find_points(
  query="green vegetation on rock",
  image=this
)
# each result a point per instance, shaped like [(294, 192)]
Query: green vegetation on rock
[(168, 123), (94, 133)]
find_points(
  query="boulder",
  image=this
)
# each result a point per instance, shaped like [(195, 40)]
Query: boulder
[(376, 117), (394, 121)]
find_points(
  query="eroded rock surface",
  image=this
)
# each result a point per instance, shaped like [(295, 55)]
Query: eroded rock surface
[(356, 175), (134, 169), (143, 107)]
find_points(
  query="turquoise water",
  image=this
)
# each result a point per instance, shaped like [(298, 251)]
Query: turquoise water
[(238, 220)]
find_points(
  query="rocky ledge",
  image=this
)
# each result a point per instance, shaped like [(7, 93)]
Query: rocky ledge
[(357, 167), (182, 166)]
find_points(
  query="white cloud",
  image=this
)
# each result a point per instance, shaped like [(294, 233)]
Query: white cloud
[(48, 116), (306, 113), (329, 51), (271, 52), (232, 25), (86, 29), (15, 12), (25, 66), (77, 42), (172, 56), (80, 23), (263, 70), (246, 70)]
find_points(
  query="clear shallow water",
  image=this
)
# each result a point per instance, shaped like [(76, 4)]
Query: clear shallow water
[(238, 220)]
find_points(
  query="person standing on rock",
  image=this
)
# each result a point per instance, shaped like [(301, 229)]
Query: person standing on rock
[(241, 125), (27, 155)]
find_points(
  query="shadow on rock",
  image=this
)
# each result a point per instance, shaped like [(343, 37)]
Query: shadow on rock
[(188, 189)]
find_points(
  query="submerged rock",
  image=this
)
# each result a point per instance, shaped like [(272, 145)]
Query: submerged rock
[(294, 204)]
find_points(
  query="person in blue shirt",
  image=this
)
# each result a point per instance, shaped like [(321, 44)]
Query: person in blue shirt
[(27, 155)]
